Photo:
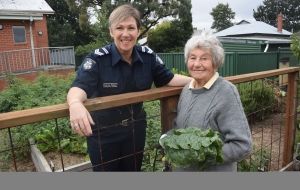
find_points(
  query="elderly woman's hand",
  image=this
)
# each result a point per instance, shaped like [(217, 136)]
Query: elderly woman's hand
[(80, 119)]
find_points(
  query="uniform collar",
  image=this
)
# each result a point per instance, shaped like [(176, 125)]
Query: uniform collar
[(116, 57)]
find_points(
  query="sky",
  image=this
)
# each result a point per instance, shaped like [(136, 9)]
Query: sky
[(201, 10)]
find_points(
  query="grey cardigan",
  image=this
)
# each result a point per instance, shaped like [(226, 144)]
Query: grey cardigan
[(219, 108)]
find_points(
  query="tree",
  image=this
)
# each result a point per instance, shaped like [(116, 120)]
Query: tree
[(152, 11), (101, 29), (182, 27), (271, 8), (222, 16), (63, 26), (158, 37), (295, 46), (171, 36)]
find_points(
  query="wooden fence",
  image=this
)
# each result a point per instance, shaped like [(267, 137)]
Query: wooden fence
[(168, 97)]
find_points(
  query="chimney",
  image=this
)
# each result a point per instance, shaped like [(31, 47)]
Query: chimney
[(279, 22)]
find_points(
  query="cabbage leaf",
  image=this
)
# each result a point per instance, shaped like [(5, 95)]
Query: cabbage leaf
[(193, 147)]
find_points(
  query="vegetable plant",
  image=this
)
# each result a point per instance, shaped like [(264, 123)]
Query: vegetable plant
[(193, 147)]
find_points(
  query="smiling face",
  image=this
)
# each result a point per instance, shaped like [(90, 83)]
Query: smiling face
[(125, 34), (200, 66)]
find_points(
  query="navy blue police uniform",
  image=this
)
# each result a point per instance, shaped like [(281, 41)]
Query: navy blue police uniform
[(118, 138)]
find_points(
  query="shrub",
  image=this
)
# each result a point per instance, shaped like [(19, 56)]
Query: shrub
[(45, 90), (259, 161), (152, 153), (258, 99)]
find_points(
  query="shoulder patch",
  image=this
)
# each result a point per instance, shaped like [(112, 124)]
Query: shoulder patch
[(146, 49), (88, 63), (105, 50), (101, 51), (158, 60)]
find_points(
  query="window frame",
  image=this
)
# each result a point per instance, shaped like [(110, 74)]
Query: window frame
[(14, 36)]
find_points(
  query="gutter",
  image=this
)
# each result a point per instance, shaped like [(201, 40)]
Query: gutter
[(23, 15)]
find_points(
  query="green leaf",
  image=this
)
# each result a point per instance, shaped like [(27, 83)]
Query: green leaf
[(193, 147)]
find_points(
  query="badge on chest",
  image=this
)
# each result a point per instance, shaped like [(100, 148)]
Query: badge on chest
[(110, 85)]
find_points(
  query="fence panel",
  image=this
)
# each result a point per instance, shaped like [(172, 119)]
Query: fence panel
[(234, 63), (174, 60), (287, 55), (255, 62), (229, 66)]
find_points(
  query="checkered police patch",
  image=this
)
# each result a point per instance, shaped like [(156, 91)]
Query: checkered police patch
[(88, 63)]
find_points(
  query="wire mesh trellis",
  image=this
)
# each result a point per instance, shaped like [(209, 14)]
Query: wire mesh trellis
[(267, 123)]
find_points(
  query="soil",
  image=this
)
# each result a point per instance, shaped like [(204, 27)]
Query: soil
[(269, 135), (68, 159), (53, 158)]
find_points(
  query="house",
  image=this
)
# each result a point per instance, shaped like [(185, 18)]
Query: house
[(23, 35), (266, 37), (24, 48), (23, 24)]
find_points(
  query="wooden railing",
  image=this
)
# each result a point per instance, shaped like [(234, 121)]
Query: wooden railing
[(168, 97)]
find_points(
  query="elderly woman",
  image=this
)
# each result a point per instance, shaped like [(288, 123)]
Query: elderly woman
[(210, 101)]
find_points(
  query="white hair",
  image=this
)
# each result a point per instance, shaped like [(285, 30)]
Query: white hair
[(205, 40)]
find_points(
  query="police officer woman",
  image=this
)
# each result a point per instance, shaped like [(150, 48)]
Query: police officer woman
[(119, 67)]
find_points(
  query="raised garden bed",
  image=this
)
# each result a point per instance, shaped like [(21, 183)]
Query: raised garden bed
[(41, 164)]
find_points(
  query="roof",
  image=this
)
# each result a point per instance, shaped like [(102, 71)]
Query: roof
[(260, 40), (24, 9), (252, 27)]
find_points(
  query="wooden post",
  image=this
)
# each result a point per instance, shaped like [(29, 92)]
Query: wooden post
[(168, 112), (289, 139)]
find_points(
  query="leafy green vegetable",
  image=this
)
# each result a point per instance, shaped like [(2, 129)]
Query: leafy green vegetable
[(193, 147)]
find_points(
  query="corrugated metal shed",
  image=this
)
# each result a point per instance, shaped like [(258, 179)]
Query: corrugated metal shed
[(24, 9)]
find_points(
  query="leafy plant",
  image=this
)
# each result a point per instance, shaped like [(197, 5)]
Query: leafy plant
[(45, 90), (295, 46), (259, 161), (152, 155), (176, 71), (257, 98), (193, 147)]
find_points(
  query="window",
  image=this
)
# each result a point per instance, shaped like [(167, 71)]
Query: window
[(19, 34)]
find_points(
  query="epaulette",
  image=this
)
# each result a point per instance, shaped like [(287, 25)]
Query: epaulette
[(145, 49), (102, 51)]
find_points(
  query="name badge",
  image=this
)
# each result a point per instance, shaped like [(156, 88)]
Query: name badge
[(110, 85)]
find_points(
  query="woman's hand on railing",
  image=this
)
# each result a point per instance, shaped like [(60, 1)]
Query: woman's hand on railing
[(80, 119)]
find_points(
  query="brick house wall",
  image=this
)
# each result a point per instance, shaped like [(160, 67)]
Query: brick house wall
[(6, 34), (41, 26), (21, 60)]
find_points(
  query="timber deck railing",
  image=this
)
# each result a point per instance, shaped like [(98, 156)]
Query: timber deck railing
[(168, 97)]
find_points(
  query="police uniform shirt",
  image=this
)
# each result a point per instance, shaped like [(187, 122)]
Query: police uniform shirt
[(105, 73)]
